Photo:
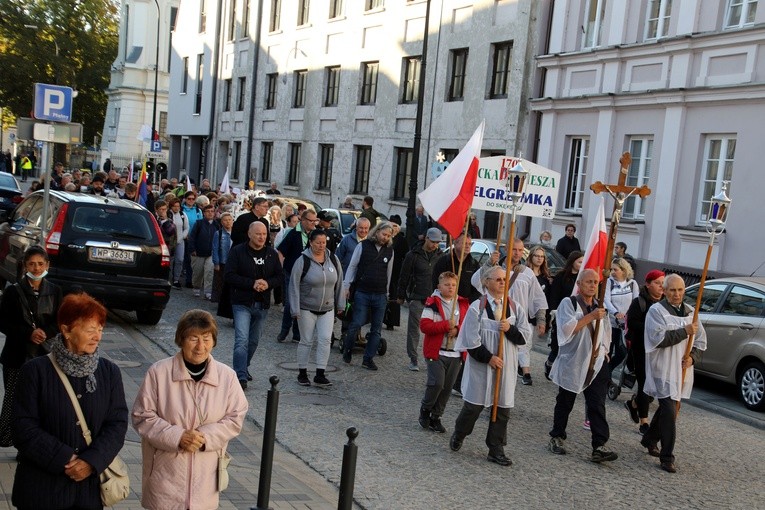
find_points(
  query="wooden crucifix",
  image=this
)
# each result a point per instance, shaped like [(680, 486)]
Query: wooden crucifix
[(620, 193)]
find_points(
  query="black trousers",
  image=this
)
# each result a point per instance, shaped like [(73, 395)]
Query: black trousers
[(662, 429), (595, 405), (441, 375), (553, 343), (496, 436), (638, 364), (618, 349)]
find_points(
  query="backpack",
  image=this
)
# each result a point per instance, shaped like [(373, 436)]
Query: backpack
[(169, 233), (307, 265)]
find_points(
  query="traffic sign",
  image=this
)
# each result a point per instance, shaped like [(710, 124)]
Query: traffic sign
[(53, 102), (156, 155), (156, 146)]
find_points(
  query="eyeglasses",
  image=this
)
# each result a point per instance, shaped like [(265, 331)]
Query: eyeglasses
[(191, 198), (499, 280)]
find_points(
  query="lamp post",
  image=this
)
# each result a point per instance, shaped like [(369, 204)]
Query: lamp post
[(154, 103)]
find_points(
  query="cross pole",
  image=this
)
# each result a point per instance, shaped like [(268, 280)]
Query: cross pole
[(620, 192)]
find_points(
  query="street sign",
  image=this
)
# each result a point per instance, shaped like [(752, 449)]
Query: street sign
[(53, 102), (156, 155), (156, 146)]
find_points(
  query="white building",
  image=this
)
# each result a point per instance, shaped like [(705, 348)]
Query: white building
[(335, 89), (132, 86), (681, 86)]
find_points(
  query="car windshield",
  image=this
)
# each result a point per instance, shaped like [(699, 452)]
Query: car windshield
[(114, 222), (7, 181), (346, 220)]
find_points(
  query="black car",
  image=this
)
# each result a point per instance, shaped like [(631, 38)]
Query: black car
[(108, 247), (10, 194)]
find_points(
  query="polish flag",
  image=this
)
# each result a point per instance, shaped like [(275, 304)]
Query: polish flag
[(224, 185), (449, 198), (595, 253)]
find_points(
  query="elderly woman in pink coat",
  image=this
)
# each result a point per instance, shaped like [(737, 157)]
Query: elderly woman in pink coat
[(188, 408)]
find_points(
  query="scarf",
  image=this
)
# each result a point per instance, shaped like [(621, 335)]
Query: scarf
[(76, 365)]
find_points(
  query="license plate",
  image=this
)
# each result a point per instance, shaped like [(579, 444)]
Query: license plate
[(112, 255)]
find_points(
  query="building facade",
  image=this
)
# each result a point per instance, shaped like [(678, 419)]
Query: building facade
[(132, 86), (681, 86)]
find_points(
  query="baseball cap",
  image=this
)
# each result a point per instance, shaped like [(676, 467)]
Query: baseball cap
[(325, 216), (434, 235)]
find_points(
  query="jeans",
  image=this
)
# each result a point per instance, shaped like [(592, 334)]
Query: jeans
[(595, 406), (187, 262), (287, 320), (203, 269), (416, 307), (364, 304), (319, 326), (177, 262), (248, 326)]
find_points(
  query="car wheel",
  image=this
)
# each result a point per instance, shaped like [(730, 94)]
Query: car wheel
[(751, 385), (150, 317)]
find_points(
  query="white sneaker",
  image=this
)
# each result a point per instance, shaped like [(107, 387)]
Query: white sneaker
[(208, 296), (196, 293), (414, 367)]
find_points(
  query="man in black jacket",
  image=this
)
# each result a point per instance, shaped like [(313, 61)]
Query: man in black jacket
[(415, 284), (240, 230), (252, 270), (200, 244)]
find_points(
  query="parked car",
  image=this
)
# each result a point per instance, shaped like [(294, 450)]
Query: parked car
[(108, 247), (10, 194), (733, 314)]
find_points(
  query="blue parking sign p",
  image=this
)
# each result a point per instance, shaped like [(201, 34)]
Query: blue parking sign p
[(156, 146), (53, 102)]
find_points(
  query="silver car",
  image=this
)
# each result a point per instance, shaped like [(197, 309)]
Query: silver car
[(733, 312)]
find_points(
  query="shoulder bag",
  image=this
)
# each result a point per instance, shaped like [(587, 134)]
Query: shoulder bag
[(114, 481)]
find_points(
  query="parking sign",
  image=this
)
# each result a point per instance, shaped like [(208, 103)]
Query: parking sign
[(53, 102), (156, 146)]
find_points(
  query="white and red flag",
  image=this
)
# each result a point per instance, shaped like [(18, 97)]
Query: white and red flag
[(225, 187), (597, 244), (448, 199)]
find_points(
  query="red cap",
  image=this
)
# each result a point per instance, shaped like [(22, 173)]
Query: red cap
[(653, 275)]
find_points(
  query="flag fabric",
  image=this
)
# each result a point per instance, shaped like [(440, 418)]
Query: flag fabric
[(188, 183), (224, 185), (448, 199), (595, 252), (130, 170), (142, 185)]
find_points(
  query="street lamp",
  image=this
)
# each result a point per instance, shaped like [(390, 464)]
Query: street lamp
[(156, 76)]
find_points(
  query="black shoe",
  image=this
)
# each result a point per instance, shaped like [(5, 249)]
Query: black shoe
[(369, 364), (520, 372), (556, 446), (281, 337), (347, 357), (424, 419), (321, 381), (249, 377), (243, 384), (177, 285), (548, 367), (526, 380), (603, 454), (633, 411), (435, 425), (189, 285), (499, 458), (643, 428), (653, 450), (455, 443), (669, 467), (303, 379)]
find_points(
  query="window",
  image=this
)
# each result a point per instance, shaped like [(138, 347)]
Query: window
[(500, 69), (294, 168), (335, 8), (363, 158), (369, 82), (200, 76), (242, 93), (740, 13), (374, 4), (712, 293), (577, 173), (173, 20), (228, 84), (274, 21), (202, 16), (402, 173), (333, 86), (163, 128), (299, 96), (303, 7), (744, 301), (719, 152), (657, 22), (449, 154), (271, 82), (232, 21), (326, 159), (266, 156), (593, 22), (246, 19), (457, 65), (185, 78), (411, 80), (236, 161), (641, 150)]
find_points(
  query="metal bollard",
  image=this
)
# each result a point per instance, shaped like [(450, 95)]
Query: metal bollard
[(348, 473), (269, 436)]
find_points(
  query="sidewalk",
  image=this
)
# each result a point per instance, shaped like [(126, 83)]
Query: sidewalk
[(293, 484)]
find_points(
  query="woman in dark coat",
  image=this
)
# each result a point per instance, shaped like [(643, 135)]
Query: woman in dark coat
[(400, 249), (57, 469), (28, 309), (562, 286)]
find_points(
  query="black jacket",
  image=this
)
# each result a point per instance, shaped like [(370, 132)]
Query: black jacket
[(17, 320), (46, 433), (448, 262), (246, 265), (416, 278), (636, 315), (201, 238)]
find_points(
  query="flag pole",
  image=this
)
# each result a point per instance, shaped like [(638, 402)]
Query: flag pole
[(459, 271), (499, 231)]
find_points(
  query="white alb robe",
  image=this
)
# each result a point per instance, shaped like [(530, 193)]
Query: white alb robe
[(663, 365)]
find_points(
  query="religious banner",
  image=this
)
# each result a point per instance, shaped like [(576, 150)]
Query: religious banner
[(538, 199)]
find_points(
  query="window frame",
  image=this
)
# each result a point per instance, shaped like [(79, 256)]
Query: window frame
[(501, 61), (242, 95), (708, 163), (661, 21), (246, 18), (746, 10), (457, 73), (303, 12), (200, 84), (326, 163), (370, 72), (228, 85), (410, 79), (638, 174), (401, 176), (202, 16), (335, 9), (275, 16), (272, 82), (371, 5), (293, 168), (266, 160), (185, 78), (231, 35), (236, 160), (593, 29), (362, 162), (576, 174), (332, 88), (300, 78)]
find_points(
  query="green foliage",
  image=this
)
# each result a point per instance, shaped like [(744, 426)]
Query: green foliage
[(86, 33)]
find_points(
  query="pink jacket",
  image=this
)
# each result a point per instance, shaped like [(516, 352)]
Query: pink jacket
[(169, 402)]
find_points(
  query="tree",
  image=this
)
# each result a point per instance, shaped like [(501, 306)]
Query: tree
[(85, 35)]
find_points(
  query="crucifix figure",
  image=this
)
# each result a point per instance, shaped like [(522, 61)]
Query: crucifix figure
[(620, 192)]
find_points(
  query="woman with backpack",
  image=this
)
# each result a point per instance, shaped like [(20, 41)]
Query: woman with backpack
[(621, 289)]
